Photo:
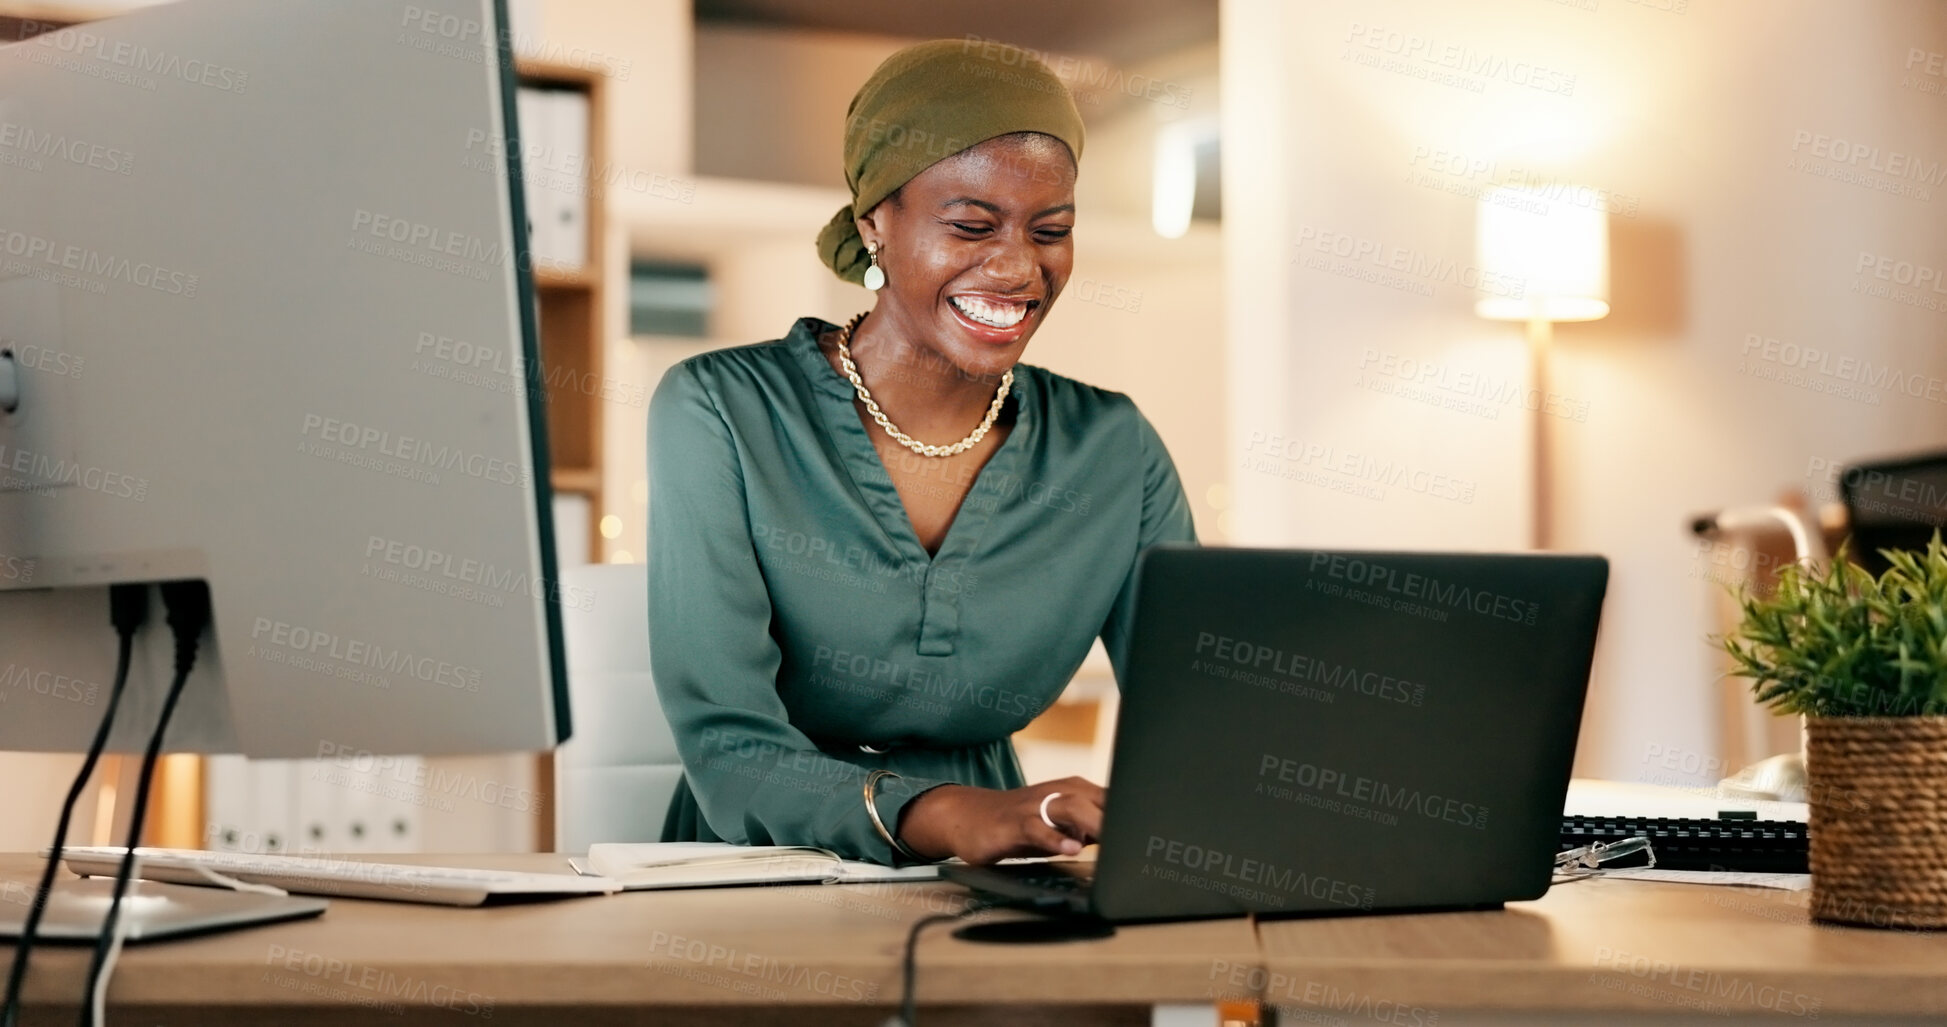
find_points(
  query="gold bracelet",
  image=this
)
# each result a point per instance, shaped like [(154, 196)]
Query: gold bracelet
[(872, 782)]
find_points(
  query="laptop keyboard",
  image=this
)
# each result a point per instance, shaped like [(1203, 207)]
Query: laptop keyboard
[(1055, 880)]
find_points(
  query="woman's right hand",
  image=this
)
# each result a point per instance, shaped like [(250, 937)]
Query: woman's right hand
[(986, 825)]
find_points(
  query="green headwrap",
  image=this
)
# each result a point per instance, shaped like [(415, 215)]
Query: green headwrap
[(929, 102)]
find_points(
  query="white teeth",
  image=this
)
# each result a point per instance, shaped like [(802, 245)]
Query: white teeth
[(996, 315)]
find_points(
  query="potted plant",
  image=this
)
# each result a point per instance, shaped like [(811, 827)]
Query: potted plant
[(1864, 659)]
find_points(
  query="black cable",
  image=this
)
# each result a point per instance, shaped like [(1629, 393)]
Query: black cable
[(188, 603), (909, 992), (128, 607)]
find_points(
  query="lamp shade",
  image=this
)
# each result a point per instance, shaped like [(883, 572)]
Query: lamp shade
[(1550, 256)]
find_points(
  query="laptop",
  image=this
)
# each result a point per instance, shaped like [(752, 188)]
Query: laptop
[(1328, 732)]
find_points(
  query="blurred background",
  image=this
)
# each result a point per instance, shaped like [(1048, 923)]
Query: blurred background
[(1296, 249)]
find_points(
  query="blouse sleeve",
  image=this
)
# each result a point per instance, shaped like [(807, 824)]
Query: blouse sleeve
[(1165, 518), (757, 779)]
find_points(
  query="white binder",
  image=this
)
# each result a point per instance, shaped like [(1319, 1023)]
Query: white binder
[(570, 171), (534, 115), (570, 529)]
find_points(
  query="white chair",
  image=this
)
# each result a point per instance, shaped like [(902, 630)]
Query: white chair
[(614, 778), (1781, 776)]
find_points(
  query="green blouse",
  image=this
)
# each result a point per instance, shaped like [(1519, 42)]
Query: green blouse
[(801, 636)]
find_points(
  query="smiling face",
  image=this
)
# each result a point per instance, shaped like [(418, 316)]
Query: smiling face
[(975, 250)]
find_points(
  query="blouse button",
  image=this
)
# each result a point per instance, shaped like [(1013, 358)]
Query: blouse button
[(871, 749)]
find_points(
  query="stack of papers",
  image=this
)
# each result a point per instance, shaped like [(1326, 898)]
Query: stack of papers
[(648, 865), (1719, 878)]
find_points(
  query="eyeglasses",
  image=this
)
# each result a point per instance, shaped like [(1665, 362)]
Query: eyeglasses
[(1588, 860)]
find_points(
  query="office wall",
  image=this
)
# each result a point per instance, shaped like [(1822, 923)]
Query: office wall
[(36, 784), (644, 46), (770, 103), (770, 106), (1717, 135)]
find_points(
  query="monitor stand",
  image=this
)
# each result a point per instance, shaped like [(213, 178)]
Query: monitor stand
[(151, 910)]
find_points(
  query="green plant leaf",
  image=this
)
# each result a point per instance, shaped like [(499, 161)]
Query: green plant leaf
[(1836, 641)]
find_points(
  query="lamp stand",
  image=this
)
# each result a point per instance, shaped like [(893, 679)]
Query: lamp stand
[(1541, 334)]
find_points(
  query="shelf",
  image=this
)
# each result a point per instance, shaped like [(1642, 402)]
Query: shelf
[(571, 315), (584, 480), (557, 280), (538, 72)]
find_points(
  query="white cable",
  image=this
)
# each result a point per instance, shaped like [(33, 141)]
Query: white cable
[(98, 1002), (225, 880)]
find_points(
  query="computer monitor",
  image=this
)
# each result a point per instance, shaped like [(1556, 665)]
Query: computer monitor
[(252, 253), (1895, 503)]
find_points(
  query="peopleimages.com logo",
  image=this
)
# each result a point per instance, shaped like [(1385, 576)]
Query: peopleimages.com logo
[(419, 780), (1306, 667), (1278, 880), (1358, 788), (43, 471), (408, 450), (97, 56), (25, 142), (356, 652), (436, 570), (1706, 990), (85, 264), (17, 568), (1426, 589)]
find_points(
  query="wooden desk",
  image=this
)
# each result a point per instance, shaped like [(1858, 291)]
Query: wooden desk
[(1592, 952), (803, 955), (1599, 951)]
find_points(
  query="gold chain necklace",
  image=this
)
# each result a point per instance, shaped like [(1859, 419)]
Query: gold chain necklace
[(879, 416)]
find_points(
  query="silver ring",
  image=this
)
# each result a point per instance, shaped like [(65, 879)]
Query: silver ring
[(1045, 800)]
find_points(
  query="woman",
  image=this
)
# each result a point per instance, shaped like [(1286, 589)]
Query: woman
[(878, 550)]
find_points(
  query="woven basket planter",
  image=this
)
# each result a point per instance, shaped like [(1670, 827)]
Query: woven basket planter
[(1878, 789)]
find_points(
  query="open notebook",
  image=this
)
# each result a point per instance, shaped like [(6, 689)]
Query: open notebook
[(646, 865)]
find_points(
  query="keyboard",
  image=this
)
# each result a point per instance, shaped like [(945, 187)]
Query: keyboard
[(1750, 846), (1053, 879), (1054, 885), (338, 876)]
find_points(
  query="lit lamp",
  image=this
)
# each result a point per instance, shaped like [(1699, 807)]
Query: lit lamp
[(1541, 260), (1174, 184), (1173, 196)]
